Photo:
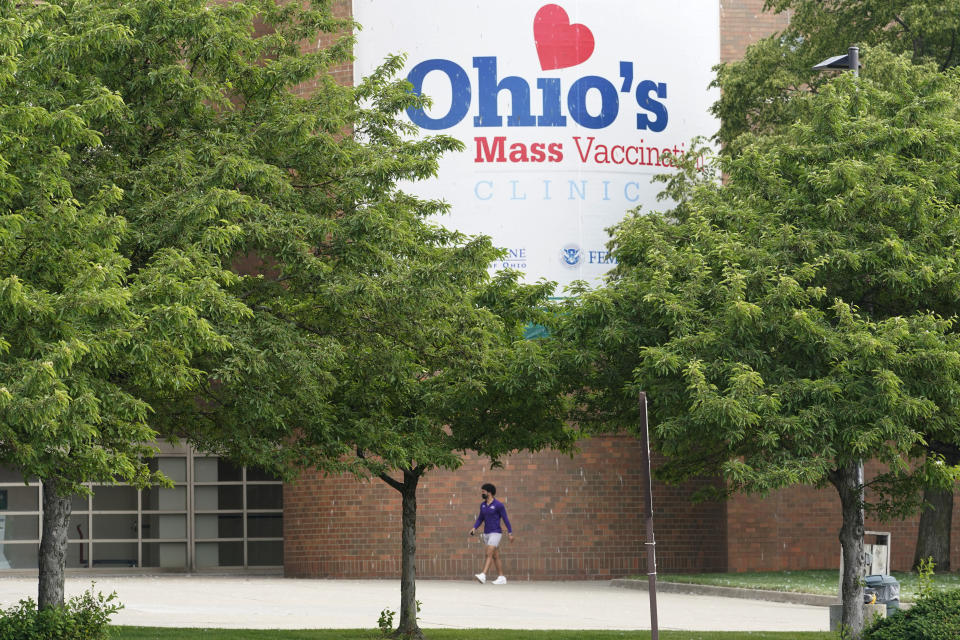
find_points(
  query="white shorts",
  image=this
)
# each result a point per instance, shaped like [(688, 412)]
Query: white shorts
[(491, 539)]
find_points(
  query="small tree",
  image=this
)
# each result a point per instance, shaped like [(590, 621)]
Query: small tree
[(746, 313), (381, 345), (460, 378)]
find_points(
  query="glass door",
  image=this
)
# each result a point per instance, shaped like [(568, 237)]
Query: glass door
[(238, 516)]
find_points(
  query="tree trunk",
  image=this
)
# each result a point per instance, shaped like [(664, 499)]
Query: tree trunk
[(936, 521), (848, 481), (53, 545), (933, 536), (408, 627)]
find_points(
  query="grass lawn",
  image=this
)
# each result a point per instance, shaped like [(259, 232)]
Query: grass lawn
[(156, 633), (819, 582)]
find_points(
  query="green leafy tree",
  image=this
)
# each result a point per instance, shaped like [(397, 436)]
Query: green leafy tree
[(82, 334), (445, 371), (363, 338), (773, 319), (756, 96)]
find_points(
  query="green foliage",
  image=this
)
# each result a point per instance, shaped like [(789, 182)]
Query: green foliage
[(757, 90), (925, 576), (797, 317), (84, 617), (150, 150), (757, 97), (934, 617), (385, 622), (155, 149), (82, 333), (355, 322)]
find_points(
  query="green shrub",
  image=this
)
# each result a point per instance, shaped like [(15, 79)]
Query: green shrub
[(925, 576), (934, 617), (84, 617)]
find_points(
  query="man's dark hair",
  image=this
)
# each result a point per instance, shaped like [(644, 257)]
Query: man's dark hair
[(489, 488)]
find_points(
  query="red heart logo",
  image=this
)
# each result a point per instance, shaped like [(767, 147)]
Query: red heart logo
[(559, 43)]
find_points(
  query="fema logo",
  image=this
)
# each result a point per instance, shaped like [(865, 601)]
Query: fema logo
[(570, 255)]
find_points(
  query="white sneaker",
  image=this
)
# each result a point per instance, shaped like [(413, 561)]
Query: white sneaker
[(481, 578), (500, 580)]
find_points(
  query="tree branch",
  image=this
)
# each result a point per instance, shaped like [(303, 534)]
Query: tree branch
[(396, 484), (314, 185), (399, 486), (295, 323), (946, 61)]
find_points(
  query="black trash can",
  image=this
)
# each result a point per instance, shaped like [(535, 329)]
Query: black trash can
[(887, 589)]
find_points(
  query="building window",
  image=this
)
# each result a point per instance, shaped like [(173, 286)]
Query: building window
[(19, 521), (216, 516)]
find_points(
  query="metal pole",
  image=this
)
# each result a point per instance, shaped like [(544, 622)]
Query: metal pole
[(853, 56), (648, 499)]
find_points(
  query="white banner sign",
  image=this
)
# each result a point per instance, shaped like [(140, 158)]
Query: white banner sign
[(565, 109)]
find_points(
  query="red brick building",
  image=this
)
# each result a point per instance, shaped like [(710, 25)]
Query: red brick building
[(574, 518), (579, 517)]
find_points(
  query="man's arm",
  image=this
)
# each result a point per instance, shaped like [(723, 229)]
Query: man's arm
[(506, 520), (476, 524)]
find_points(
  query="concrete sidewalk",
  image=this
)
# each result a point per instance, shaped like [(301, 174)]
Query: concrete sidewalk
[(278, 603)]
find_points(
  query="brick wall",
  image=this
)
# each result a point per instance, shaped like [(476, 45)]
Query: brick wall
[(342, 73), (743, 22), (573, 519), (797, 529)]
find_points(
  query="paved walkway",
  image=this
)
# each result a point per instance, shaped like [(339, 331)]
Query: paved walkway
[(278, 603)]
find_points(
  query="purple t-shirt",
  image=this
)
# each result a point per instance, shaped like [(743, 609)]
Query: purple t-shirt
[(490, 515)]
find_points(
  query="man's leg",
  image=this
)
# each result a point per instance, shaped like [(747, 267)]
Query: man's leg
[(496, 561), (491, 554)]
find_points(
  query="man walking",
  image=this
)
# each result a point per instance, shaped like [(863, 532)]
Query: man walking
[(491, 512)]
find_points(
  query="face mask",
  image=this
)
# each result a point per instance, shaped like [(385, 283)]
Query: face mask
[(483, 495)]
